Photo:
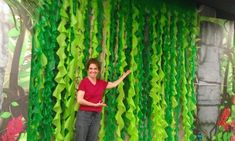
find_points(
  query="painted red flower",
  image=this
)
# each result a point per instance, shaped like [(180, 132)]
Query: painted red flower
[(232, 138), (233, 126), (226, 127), (14, 127), (224, 116)]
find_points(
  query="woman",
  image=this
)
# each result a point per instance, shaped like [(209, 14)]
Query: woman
[(89, 96)]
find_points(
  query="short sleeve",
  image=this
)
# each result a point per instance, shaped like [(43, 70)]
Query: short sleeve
[(81, 85), (104, 84)]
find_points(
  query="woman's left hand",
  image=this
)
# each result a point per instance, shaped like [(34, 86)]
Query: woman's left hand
[(127, 72), (101, 104)]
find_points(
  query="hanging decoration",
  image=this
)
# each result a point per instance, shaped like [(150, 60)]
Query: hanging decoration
[(155, 40)]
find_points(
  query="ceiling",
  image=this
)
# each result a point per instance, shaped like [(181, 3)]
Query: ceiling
[(225, 9)]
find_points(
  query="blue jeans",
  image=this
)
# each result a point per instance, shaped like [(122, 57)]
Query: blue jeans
[(87, 126)]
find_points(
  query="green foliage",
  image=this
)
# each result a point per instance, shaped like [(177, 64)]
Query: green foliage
[(14, 104), (156, 43), (23, 137), (5, 115), (42, 74), (14, 32), (227, 70)]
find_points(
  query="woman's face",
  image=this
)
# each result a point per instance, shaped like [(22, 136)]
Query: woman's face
[(93, 71)]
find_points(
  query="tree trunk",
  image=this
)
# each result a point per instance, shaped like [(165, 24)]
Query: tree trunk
[(16, 59), (209, 78)]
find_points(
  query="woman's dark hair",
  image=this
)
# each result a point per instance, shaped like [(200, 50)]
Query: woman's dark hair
[(93, 61)]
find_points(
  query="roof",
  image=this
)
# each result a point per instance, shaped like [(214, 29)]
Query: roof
[(225, 9)]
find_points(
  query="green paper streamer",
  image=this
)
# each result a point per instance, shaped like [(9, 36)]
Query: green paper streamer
[(157, 91), (106, 53), (94, 29), (42, 76), (111, 95), (62, 71), (153, 39), (173, 73), (121, 65)]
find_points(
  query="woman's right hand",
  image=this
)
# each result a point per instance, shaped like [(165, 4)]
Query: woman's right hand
[(101, 104)]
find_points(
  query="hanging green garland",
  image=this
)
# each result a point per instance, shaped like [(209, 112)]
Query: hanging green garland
[(100, 26), (47, 104), (185, 108), (153, 91), (132, 127), (157, 88), (106, 50), (120, 66), (61, 81), (179, 76), (39, 62), (141, 122), (146, 100), (40, 106), (87, 39), (167, 67), (173, 72), (128, 38), (69, 99), (80, 38), (192, 50), (144, 107), (111, 95), (94, 29), (138, 46)]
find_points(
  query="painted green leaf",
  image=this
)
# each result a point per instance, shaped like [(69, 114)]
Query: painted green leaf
[(23, 137), (5, 115), (14, 104), (13, 32)]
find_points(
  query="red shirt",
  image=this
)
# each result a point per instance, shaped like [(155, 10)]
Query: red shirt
[(93, 93)]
